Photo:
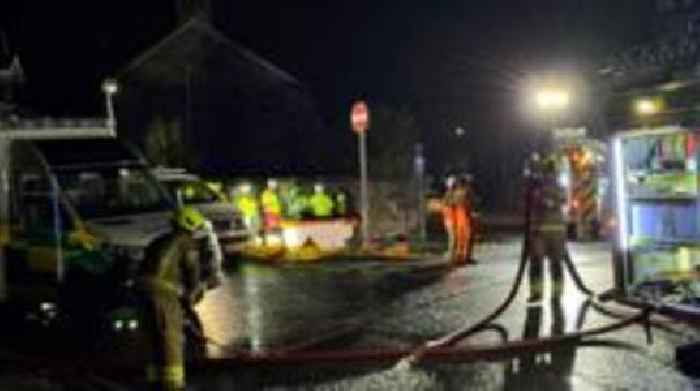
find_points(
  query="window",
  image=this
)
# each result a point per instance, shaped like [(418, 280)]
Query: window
[(108, 192)]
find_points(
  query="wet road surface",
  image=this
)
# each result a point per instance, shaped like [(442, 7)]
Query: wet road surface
[(379, 307), (273, 309)]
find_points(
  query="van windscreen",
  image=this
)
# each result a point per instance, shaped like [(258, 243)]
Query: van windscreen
[(109, 192)]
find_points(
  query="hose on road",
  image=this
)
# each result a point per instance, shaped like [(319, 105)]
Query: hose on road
[(453, 338), (575, 276), (443, 349), (472, 353), (458, 335)]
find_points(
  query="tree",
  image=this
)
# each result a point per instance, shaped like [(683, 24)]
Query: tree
[(165, 145), (391, 142)]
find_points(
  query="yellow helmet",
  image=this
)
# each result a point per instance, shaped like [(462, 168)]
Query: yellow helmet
[(188, 219)]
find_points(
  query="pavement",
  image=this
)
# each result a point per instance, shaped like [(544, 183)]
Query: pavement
[(380, 307)]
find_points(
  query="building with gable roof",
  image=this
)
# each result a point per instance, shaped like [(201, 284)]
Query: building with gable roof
[(11, 78), (238, 111)]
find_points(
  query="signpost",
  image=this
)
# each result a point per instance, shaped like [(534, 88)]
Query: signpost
[(419, 168), (359, 122)]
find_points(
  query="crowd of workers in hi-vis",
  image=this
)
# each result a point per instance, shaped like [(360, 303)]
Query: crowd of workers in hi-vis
[(292, 201)]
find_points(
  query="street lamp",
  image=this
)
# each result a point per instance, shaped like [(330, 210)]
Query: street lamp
[(646, 106), (110, 87), (552, 99)]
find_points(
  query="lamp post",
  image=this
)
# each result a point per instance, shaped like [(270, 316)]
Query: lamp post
[(110, 87), (419, 168), (359, 121)]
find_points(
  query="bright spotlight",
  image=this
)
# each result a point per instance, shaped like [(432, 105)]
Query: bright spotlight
[(646, 107), (552, 99)]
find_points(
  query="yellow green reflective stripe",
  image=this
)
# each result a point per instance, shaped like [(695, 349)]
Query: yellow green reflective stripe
[(174, 375)]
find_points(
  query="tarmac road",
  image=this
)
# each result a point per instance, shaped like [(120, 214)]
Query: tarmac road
[(382, 307)]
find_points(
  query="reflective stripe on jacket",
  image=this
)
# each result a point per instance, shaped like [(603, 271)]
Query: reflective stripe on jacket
[(171, 265)]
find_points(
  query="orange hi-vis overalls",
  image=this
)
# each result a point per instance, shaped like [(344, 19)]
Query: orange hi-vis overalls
[(460, 208), (448, 222)]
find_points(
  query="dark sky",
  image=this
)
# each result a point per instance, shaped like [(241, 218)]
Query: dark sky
[(452, 62)]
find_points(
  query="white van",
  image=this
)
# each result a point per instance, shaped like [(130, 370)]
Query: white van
[(85, 210), (190, 189)]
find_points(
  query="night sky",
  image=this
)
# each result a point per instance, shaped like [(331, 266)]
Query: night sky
[(451, 62)]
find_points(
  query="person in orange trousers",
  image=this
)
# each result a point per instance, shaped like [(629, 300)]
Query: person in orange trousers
[(462, 222)]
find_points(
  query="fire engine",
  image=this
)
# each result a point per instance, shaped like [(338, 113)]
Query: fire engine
[(582, 170)]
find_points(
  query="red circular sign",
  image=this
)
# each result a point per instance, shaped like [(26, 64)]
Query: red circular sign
[(359, 117)]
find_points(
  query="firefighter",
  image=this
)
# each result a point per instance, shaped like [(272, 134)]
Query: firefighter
[(168, 278), (321, 203), (271, 206), (247, 204), (547, 231), (447, 215)]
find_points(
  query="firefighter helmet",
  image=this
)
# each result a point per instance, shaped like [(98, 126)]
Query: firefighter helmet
[(188, 219), (450, 181)]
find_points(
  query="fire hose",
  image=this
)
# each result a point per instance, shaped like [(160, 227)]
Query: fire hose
[(424, 351), (443, 349)]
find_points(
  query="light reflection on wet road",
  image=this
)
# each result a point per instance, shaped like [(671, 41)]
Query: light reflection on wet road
[(263, 308)]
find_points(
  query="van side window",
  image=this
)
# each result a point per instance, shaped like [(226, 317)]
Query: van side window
[(33, 201)]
